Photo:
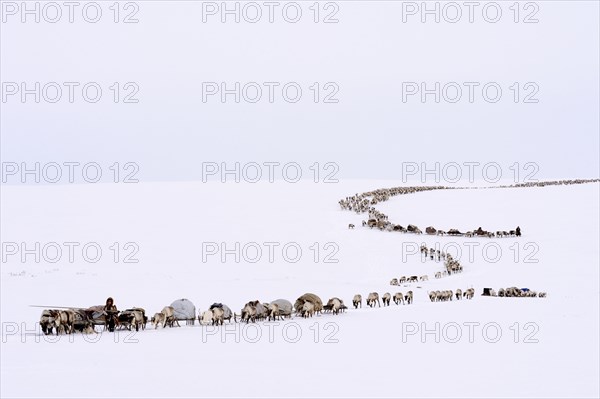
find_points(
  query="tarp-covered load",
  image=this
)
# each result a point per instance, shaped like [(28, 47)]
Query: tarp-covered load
[(95, 310), (285, 306), (101, 317), (96, 314), (184, 309)]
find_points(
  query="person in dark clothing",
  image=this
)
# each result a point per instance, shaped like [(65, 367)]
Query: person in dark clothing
[(518, 231), (111, 314), (110, 305)]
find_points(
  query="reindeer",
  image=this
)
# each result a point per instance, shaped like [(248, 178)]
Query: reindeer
[(398, 297), (335, 305), (357, 301), (132, 318), (217, 317), (413, 229), (372, 298), (308, 309), (205, 318), (65, 318), (430, 230), (432, 296), (386, 299), (248, 313), (50, 319)]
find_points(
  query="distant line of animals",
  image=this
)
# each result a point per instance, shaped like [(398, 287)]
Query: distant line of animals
[(84, 320), (373, 299), (363, 203), (383, 225), (451, 265), (70, 320), (514, 292), (446, 295)]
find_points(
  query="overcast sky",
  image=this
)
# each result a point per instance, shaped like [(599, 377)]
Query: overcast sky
[(365, 57)]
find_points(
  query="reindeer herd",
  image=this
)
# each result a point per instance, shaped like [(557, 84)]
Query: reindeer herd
[(383, 224), (73, 320), (68, 321), (446, 295), (364, 203), (451, 266), (517, 292)]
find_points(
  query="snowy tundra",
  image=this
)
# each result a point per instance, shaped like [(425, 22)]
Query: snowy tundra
[(148, 244)]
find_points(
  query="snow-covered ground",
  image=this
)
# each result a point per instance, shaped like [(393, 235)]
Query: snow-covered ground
[(485, 347)]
